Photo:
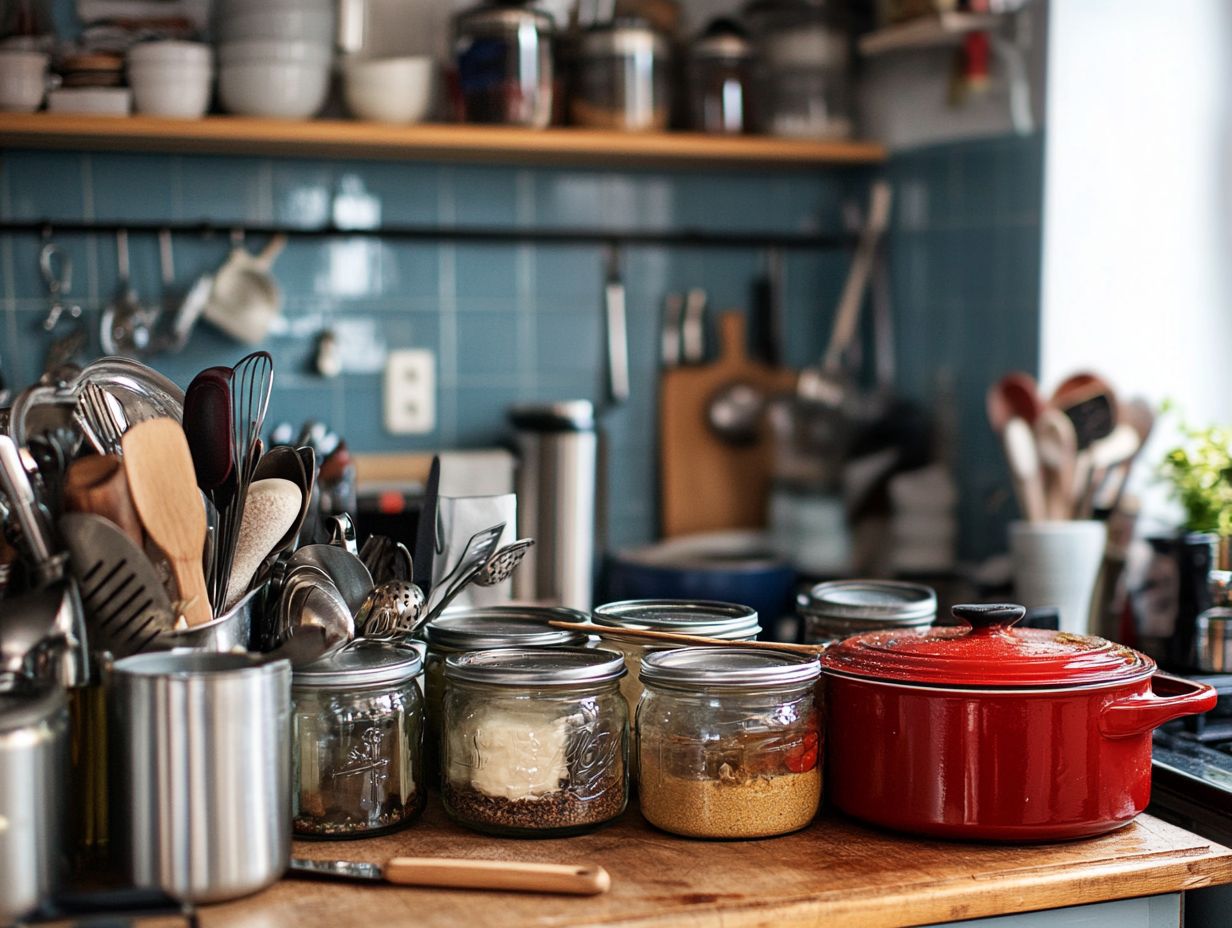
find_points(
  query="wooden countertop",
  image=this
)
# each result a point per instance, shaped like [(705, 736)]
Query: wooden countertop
[(834, 872)]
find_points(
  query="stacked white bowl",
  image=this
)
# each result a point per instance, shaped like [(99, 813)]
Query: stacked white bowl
[(171, 78), (394, 90), (274, 56)]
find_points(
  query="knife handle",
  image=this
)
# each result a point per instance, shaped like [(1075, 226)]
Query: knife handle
[(460, 873)]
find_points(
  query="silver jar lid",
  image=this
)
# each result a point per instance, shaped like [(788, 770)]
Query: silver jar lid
[(684, 616), (624, 38), (722, 40), (483, 627), (502, 19), (362, 663), (729, 668), (870, 600), (29, 706), (535, 667)]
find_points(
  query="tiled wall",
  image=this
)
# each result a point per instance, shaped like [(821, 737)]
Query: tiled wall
[(508, 322)]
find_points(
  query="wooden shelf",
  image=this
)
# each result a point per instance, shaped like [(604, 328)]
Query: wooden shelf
[(927, 32), (337, 138)]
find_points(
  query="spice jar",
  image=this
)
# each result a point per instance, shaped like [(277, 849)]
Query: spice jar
[(482, 629), (357, 731), (841, 608), (729, 742), (536, 740), (687, 617)]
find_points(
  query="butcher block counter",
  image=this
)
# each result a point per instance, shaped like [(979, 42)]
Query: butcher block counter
[(832, 873)]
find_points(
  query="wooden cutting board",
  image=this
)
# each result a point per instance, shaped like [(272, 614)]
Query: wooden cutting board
[(706, 484)]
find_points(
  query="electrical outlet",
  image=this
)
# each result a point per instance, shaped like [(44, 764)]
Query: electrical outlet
[(410, 392)]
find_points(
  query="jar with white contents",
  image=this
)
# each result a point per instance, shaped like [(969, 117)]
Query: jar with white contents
[(535, 741)]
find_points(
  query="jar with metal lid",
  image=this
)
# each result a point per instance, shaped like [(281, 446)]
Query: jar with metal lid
[(720, 79), (357, 733), (33, 770), (504, 57), (729, 742), (622, 77), (535, 740), (839, 609), (687, 617), (482, 629)]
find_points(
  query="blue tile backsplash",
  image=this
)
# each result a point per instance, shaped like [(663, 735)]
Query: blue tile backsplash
[(516, 322)]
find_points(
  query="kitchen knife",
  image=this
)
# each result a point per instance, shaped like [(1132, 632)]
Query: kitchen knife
[(460, 873)]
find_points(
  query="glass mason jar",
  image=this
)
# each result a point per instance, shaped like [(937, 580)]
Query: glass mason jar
[(357, 734), (687, 617), (535, 740), (729, 742), (483, 628), (838, 609)]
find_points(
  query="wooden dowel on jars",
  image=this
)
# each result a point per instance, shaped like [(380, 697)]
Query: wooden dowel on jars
[(605, 631)]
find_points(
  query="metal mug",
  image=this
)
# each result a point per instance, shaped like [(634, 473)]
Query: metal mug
[(33, 763), (203, 772)]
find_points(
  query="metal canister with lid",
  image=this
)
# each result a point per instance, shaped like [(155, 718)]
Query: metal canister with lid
[(720, 79), (838, 609), (623, 77), (357, 734), (729, 742), (729, 621), (504, 57), (483, 628), (536, 740), (33, 768)]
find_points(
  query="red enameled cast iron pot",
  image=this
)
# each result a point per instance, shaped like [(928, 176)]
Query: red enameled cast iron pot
[(995, 733)]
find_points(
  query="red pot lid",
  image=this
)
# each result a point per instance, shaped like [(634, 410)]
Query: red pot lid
[(987, 653)]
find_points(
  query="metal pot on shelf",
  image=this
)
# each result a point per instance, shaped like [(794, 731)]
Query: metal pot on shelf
[(504, 58)]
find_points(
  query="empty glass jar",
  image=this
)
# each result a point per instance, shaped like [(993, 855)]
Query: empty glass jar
[(729, 742), (535, 740), (838, 609), (357, 731)]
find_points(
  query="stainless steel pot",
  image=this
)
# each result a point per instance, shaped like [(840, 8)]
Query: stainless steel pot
[(623, 78), (504, 57), (33, 765), (203, 756)]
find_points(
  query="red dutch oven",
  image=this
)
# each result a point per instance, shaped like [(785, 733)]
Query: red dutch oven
[(990, 732)]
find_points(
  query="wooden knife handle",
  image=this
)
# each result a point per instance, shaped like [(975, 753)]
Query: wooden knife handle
[(97, 484), (459, 873)]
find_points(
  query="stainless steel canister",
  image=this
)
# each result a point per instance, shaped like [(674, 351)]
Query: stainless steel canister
[(33, 769), (841, 608), (556, 484), (201, 748), (623, 78), (1213, 640), (504, 57)]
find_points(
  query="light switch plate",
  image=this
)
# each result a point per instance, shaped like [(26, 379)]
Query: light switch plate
[(410, 392)]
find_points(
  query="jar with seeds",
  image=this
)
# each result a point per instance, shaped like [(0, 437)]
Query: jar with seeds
[(535, 740), (357, 733)]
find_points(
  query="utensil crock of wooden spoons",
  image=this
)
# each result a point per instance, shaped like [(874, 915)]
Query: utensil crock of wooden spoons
[(97, 484), (163, 487)]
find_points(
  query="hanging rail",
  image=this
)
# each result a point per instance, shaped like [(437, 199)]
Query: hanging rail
[(686, 238)]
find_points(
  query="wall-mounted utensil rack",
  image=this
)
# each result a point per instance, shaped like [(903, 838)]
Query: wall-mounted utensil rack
[(621, 238)]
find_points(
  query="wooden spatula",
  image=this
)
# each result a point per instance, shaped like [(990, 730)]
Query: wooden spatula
[(163, 486)]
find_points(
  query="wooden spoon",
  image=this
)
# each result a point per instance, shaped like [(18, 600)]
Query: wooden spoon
[(97, 484), (1058, 449), (1091, 404), (1018, 442), (163, 487), (604, 631), (1015, 394)]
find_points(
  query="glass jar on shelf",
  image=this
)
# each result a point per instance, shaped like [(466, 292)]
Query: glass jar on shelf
[(729, 742), (357, 733), (535, 740)]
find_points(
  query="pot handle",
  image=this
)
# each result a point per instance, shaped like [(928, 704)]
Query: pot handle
[(1169, 698)]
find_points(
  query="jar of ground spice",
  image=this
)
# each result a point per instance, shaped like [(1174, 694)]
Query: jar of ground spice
[(729, 742), (482, 628), (357, 733), (535, 740)]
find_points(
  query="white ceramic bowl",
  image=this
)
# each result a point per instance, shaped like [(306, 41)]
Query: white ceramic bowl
[(278, 89), (171, 90), (183, 54), (263, 51), (98, 101), (397, 90), (278, 22), (23, 80)]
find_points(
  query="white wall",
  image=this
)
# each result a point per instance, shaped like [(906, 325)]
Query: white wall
[(1136, 209)]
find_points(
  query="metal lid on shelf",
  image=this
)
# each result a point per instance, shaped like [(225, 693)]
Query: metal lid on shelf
[(536, 667), (684, 616), (362, 663), (485, 627), (727, 668), (502, 18), (624, 37), (887, 601)]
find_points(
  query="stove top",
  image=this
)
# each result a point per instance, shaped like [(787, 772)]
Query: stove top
[(1192, 775)]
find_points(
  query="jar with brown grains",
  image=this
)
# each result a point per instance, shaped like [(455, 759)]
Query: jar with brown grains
[(729, 742), (535, 740)]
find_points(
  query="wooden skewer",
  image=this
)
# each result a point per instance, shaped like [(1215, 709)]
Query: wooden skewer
[(604, 631)]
